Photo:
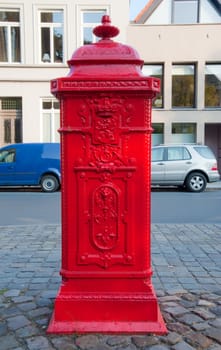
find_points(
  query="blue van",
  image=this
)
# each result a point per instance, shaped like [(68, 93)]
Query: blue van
[(31, 164)]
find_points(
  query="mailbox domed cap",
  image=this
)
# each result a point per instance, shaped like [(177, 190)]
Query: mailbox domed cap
[(105, 52)]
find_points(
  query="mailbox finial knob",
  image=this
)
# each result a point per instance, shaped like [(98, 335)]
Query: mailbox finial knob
[(106, 30)]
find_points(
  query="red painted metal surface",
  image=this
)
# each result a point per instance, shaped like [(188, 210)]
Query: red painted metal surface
[(105, 153)]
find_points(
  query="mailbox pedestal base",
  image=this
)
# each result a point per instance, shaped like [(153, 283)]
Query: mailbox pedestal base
[(106, 313)]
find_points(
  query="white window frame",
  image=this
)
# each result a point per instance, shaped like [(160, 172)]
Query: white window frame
[(82, 9), (38, 24), (90, 25), (52, 111), (9, 25)]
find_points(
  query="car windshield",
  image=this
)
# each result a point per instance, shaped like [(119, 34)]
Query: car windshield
[(205, 152)]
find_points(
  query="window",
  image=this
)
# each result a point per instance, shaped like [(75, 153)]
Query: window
[(10, 120), (183, 132), (157, 154), (10, 46), (158, 133), (213, 85), (156, 71), (183, 86), (7, 156), (185, 11), (50, 120), (10, 103), (89, 20), (178, 153), (51, 25)]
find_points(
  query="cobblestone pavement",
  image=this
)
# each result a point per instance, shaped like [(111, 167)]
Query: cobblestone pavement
[(187, 277)]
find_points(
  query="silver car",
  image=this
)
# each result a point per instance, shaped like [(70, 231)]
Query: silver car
[(189, 166)]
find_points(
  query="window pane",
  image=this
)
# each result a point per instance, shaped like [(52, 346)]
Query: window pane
[(157, 154), (56, 105), (11, 103), (88, 36), (50, 120), (185, 11), (58, 44), (158, 133), (7, 131), (51, 36), (18, 130), (10, 36), (9, 16), (155, 71), (47, 104), (89, 20), (46, 127), (46, 17), (45, 44), (93, 17), (15, 44), (183, 86), (213, 85), (184, 132), (52, 17), (3, 44)]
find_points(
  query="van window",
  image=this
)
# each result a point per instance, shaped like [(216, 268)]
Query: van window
[(7, 156)]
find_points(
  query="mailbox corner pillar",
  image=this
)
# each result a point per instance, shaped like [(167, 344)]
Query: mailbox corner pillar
[(106, 105)]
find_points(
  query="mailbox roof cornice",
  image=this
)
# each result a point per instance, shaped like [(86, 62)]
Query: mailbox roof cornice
[(91, 58)]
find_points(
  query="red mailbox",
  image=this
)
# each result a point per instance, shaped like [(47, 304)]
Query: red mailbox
[(105, 158)]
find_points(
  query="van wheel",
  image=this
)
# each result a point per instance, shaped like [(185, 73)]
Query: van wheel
[(196, 182), (49, 183)]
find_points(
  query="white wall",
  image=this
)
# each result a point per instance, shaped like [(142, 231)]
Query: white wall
[(31, 80)]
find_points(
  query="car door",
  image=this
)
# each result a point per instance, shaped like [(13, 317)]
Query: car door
[(178, 161), (7, 167), (158, 165)]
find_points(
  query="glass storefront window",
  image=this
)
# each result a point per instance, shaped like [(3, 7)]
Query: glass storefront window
[(183, 86), (158, 134), (156, 71), (183, 132), (213, 85)]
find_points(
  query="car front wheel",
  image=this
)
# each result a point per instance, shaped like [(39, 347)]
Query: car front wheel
[(196, 182), (49, 183)]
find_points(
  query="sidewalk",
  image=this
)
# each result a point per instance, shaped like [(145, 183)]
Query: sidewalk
[(214, 185), (186, 261)]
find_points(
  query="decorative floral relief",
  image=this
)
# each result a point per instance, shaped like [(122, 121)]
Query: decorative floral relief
[(105, 218)]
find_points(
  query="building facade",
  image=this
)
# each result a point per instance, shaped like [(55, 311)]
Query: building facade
[(36, 40), (179, 41)]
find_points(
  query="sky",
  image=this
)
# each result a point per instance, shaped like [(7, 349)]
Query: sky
[(136, 6)]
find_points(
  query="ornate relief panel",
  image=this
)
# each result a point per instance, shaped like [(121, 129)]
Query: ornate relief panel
[(106, 237), (105, 181)]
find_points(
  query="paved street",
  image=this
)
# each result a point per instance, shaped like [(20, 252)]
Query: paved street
[(187, 277)]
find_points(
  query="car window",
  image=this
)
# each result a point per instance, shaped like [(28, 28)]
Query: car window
[(7, 156), (178, 153), (157, 154), (205, 152)]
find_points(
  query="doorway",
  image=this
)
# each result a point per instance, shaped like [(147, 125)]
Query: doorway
[(213, 140)]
